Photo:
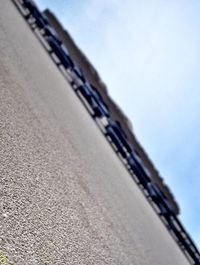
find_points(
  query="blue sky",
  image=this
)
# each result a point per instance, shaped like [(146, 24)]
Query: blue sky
[(148, 54)]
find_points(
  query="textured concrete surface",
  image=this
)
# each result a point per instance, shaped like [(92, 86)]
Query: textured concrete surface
[(65, 198)]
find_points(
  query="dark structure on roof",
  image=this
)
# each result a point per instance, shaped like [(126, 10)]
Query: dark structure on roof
[(116, 113)]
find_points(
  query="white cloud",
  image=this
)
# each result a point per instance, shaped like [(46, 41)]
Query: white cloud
[(148, 53)]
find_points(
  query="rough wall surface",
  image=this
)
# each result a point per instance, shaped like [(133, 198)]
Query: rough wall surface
[(65, 198)]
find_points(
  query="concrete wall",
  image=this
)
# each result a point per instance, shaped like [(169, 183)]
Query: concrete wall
[(65, 198)]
